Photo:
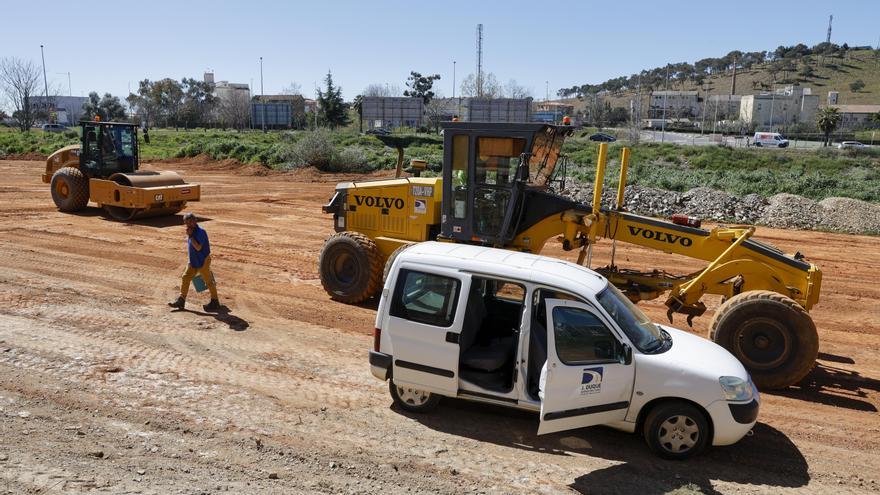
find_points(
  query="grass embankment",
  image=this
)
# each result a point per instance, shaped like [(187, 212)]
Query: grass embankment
[(815, 174), (343, 150)]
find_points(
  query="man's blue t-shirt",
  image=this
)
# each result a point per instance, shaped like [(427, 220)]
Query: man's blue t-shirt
[(197, 258)]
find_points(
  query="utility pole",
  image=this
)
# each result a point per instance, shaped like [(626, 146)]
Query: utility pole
[(479, 61), (262, 100), (772, 102), (45, 81), (828, 38), (665, 97)]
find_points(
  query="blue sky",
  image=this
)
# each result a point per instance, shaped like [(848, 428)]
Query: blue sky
[(108, 45)]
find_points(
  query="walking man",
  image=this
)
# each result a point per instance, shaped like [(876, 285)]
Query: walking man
[(199, 263)]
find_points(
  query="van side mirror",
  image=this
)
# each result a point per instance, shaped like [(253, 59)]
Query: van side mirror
[(625, 354)]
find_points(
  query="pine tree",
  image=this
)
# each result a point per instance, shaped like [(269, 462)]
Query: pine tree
[(334, 111)]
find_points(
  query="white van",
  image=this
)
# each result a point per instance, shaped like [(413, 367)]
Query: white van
[(472, 322), (771, 139)]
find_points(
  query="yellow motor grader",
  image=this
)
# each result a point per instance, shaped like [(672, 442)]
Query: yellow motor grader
[(104, 169), (495, 190)]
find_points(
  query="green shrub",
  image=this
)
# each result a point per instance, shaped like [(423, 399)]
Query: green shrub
[(314, 148)]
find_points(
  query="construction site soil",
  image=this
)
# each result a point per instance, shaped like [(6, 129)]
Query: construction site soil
[(104, 389)]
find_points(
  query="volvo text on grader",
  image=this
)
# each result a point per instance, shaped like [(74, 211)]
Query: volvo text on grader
[(495, 191), (104, 169)]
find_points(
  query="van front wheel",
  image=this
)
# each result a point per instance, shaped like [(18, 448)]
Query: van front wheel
[(412, 399), (676, 430)]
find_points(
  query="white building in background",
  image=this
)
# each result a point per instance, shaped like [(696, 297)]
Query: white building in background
[(226, 90), (66, 110), (786, 106), (857, 116), (678, 104)]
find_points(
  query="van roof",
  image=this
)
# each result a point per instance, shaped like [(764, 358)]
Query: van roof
[(507, 264)]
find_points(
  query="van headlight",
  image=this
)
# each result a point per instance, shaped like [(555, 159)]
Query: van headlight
[(736, 389)]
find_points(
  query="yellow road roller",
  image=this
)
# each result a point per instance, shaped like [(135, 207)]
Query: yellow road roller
[(104, 169)]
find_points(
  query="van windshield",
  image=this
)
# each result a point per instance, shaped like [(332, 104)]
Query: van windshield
[(644, 334)]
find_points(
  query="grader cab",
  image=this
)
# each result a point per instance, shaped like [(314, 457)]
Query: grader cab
[(104, 169), (496, 190)]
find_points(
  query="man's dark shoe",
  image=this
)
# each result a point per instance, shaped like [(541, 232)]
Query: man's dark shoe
[(178, 304), (214, 305)]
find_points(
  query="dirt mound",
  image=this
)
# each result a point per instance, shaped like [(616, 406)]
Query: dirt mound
[(31, 156)]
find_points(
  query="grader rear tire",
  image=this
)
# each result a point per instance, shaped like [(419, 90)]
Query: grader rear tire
[(70, 189), (351, 267), (771, 335), (390, 261)]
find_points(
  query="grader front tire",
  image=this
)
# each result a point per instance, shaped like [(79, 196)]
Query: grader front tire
[(772, 335), (70, 189), (351, 267)]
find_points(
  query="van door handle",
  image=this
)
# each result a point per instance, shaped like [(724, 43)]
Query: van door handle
[(452, 337)]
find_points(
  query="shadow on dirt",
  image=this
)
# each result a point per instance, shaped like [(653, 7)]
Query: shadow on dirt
[(223, 315), (766, 458), (834, 386)]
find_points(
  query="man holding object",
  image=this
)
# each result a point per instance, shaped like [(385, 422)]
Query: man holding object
[(199, 263)]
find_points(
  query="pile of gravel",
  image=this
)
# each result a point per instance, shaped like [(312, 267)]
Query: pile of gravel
[(791, 211), (850, 215), (784, 210)]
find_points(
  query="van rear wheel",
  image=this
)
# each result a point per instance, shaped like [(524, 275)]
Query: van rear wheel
[(412, 399)]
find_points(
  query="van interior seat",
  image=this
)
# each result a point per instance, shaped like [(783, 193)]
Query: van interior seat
[(490, 356)]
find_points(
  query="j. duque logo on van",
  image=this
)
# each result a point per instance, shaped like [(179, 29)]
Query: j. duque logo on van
[(657, 235), (591, 383), (379, 202)]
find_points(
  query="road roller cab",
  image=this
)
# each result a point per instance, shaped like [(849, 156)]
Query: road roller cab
[(104, 169)]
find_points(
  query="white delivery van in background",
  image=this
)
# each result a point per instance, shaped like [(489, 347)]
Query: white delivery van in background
[(546, 335), (770, 139)]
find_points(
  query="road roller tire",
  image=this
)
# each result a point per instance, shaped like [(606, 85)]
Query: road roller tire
[(351, 267), (771, 335), (70, 189), (390, 261)]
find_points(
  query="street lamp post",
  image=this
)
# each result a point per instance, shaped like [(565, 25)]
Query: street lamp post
[(45, 82), (262, 100)]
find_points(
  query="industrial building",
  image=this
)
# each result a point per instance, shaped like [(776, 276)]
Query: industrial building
[(676, 104), (66, 110), (858, 116), (278, 111), (392, 111), (785, 106), (498, 109)]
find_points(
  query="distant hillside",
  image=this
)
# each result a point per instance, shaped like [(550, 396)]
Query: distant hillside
[(822, 73)]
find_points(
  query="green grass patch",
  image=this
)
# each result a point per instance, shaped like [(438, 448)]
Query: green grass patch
[(815, 174)]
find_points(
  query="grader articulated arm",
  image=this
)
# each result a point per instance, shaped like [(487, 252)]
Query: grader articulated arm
[(766, 293)]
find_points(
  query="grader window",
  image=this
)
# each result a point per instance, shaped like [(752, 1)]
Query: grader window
[(495, 171), (498, 159), (459, 176)]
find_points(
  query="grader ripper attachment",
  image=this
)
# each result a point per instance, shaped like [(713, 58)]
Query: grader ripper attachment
[(104, 169), (496, 190)]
